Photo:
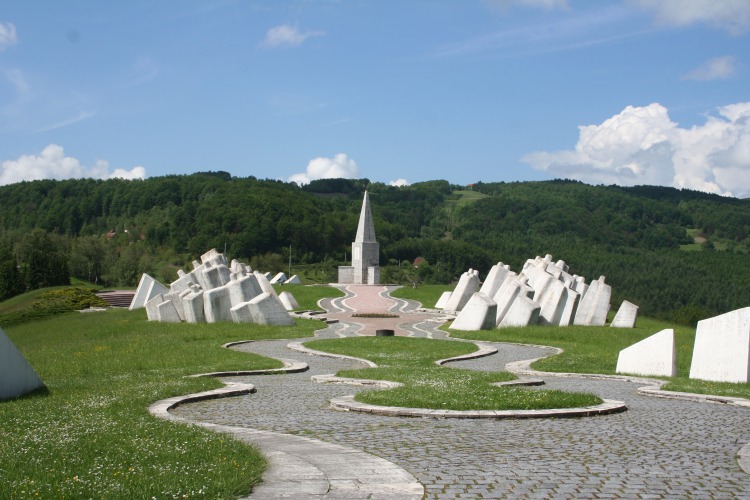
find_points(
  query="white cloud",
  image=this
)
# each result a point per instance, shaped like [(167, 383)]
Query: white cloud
[(718, 68), (287, 35), (340, 166), (642, 145), (730, 15), (53, 164), (8, 35), (400, 182)]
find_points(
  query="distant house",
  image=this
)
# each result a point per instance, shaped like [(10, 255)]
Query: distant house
[(111, 234), (419, 261)]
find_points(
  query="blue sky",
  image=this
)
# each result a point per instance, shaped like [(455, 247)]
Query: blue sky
[(626, 91)]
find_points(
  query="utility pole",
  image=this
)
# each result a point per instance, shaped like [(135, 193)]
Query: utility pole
[(290, 262)]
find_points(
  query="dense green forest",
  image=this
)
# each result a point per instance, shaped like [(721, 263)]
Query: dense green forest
[(678, 254)]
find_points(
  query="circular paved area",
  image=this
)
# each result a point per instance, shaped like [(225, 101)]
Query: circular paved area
[(659, 448)]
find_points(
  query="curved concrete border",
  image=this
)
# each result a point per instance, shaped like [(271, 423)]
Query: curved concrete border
[(347, 403), (300, 466)]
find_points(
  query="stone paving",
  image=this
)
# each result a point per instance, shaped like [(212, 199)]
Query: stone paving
[(659, 448)]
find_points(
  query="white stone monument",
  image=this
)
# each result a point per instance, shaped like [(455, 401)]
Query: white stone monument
[(467, 285), (365, 268), (722, 348), (442, 300), (654, 356)]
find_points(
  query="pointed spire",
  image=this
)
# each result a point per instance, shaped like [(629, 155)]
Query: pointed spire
[(366, 228)]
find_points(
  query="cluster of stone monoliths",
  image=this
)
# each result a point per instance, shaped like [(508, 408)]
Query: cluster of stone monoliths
[(215, 291), (542, 293)]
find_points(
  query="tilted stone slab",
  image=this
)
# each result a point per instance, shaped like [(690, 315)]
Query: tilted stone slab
[(571, 298), (17, 377), (467, 285), (243, 289), (148, 288), (167, 312), (193, 306), (654, 356), (495, 279), (267, 309), (722, 348), (278, 279), (506, 295), (478, 314), (290, 303), (294, 280), (215, 276), (594, 305), (152, 307), (626, 315), (216, 305), (265, 284), (443, 300), (523, 312)]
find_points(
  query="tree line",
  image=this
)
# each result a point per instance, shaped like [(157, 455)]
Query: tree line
[(110, 231)]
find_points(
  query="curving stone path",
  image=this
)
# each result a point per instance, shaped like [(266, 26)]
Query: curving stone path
[(659, 448)]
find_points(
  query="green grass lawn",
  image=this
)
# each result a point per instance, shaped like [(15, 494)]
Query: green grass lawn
[(90, 434), (592, 349), (427, 295), (308, 296), (411, 361)]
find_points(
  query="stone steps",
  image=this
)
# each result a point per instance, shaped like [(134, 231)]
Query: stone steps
[(117, 298)]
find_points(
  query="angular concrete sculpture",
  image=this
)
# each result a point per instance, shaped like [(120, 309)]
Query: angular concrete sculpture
[(290, 303), (294, 280), (440, 304), (654, 356), (626, 315), (467, 285), (148, 288), (17, 377), (208, 293), (478, 314), (722, 348)]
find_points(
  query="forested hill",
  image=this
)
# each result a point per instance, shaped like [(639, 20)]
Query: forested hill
[(670, 251)]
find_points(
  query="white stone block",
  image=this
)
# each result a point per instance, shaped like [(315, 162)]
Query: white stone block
[(722, 348), (193, 307), (215, 276), (522, 312), (478, 314), (176, 299), (216, 305), (241, 313), (443, 300), (495, 279), (594, 305), (267, 309), (243, 289), (17, 377), (294, 280), (148, 288), (152, 307), (570, 306), (278, 279), (467, 285), (506, 295), (654, 356), (290, 303), (265, 285), (167, 312), (182, 283), (626, 315)]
